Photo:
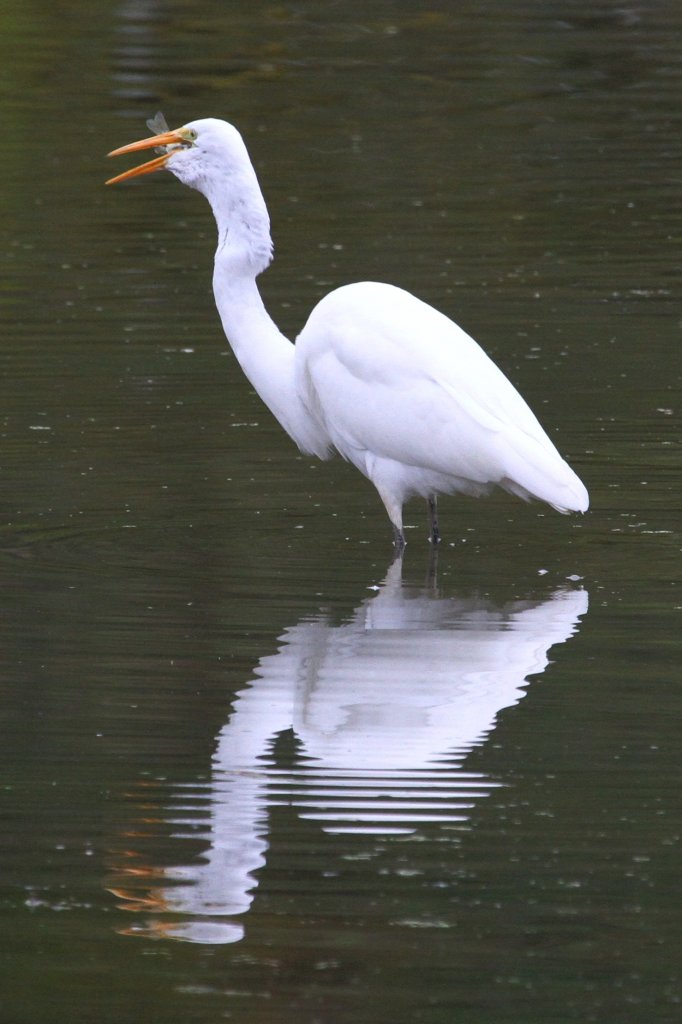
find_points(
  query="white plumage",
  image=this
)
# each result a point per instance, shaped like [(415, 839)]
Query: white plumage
[(390, 383)]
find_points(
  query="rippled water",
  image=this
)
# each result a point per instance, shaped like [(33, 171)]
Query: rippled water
[(252, 770)]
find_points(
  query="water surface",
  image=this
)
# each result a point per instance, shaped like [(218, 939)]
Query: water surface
[(251, 769)]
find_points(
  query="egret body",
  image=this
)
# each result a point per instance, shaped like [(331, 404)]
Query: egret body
[(384, 379)]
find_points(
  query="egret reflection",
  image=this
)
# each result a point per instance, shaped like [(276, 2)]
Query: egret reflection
[(384, 709)]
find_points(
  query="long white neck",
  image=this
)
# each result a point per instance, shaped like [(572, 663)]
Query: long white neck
[(265, 355)]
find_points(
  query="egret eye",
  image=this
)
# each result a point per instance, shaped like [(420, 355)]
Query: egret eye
[(190, 135)]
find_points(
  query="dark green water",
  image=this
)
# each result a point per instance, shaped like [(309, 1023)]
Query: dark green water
[(248, 772)]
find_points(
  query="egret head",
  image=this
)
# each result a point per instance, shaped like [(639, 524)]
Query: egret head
[(198, 154), (210, 156)]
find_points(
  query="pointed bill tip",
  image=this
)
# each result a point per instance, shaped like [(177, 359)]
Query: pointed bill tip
[(135, 172)]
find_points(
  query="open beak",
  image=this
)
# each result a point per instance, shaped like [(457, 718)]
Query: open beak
[(170, 139)]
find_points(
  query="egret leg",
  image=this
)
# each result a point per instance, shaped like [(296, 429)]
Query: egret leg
[(434, 536), (432, 571), (398, 539), (394, 507)]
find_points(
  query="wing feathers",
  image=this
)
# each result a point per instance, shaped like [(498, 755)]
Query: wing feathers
[(390, 376)]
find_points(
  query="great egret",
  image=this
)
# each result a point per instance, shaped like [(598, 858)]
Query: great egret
[(377, 375)]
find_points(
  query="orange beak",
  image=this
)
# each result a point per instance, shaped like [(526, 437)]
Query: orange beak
[(170, 139)]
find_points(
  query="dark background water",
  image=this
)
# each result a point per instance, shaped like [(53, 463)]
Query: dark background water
[(247, 772)]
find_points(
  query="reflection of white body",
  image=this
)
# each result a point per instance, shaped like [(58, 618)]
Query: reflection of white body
[(385, 707)]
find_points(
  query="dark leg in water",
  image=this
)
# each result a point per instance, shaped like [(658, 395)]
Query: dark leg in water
[(434, 536)]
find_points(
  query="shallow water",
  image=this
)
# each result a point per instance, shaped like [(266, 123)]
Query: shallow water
[(250, 769)]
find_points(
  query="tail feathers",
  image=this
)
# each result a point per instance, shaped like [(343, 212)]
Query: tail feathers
[(548, 478), (573, 499)]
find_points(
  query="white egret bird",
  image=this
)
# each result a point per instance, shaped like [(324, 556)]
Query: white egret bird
[(391, 384)]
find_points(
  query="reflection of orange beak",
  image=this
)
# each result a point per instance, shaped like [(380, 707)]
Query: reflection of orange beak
[(164, 139)]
